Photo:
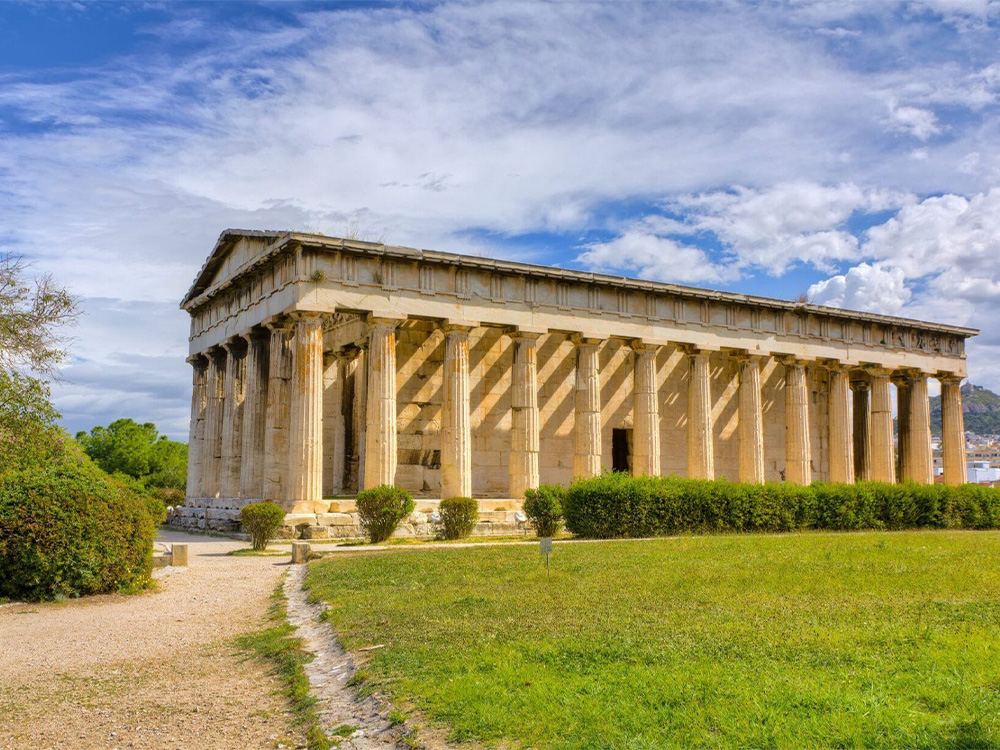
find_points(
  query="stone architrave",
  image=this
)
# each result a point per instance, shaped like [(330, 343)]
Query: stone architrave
[(254, 415), (700, 430), (646, 431), (841, 442), (587, 414), (456, 423), (524, 427), (862, 431), (380, 429), (199, 367), (952, 431), (305, 431), (921, 462), (232, 418), (883, 465), (212, 447), (277, 415), (798, 452), (751, 421)]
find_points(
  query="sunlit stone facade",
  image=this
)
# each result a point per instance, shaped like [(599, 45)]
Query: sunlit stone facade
[(325, 365)]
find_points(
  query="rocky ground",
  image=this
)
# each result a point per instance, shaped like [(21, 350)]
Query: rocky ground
[(153, 670)]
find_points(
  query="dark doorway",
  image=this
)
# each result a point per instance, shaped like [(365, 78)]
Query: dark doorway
[(621, 450)]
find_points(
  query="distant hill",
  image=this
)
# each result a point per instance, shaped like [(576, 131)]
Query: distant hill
[(980, 406)]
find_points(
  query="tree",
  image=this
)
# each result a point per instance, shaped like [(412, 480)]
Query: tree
[(29, 436), (139, 451), (33, 315)]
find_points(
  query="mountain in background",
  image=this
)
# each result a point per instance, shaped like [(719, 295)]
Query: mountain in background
[(980, 406)]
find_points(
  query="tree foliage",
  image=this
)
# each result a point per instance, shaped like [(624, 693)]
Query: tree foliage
[(139, 451), (33, 315), (29, 436)]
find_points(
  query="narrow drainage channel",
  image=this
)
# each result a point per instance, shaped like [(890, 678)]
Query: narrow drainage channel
[(329, 671)]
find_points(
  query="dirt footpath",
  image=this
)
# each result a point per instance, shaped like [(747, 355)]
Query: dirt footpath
[(156, 670)]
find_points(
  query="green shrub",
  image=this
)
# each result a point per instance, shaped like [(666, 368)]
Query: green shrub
[(618, 505), (381, 509), (71, 530), (261, 521), (459, 516), (543, 507)]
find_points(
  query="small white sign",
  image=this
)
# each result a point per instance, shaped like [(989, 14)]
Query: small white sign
[(545, 545)]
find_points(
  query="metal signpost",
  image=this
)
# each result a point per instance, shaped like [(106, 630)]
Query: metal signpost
[(545, 547)]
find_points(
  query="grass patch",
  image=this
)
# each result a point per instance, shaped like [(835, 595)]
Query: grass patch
[(805, 640), (278, 645), (250, 552)]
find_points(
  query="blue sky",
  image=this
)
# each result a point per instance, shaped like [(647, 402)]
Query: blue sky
[(848, 151)]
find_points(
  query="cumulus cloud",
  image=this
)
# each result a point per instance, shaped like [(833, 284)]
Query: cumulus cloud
[(650, 257), (865, 287)]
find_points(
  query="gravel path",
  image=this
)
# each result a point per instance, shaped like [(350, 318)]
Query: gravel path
[(153, 670)]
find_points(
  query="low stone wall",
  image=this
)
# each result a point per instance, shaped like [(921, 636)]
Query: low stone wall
[(496, 518)]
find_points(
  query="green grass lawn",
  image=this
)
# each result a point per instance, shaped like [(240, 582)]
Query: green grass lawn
[(833, 640)]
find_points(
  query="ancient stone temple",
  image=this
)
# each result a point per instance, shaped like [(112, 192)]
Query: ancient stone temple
[(325, 365)]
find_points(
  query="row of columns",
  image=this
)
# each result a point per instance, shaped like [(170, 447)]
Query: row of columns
[(258, 416)]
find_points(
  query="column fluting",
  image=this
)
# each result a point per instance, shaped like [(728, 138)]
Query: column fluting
[(587, 412), (456, 423), (333, 423), (904, 467), (305, 431), (953, 431), (862, 431), (199, 367), (841, 442), (798, 452), (212, 447), (380, 429), (883, 464), (254, 415), (232, 418), (524, 421), (279, 378), (751, 421), (646, 431), (700, 437), (921, 459)]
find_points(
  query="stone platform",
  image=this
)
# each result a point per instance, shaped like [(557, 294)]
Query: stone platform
[(497, 517)]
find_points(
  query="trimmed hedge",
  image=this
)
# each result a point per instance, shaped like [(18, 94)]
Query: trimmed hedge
[(618, 505), (459, 516), (543, 506), (71, 530), (381, 509), (261, 521)]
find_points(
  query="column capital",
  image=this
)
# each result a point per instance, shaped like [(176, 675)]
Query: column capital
[(789, 360), (518, 333), (299, 315), (279, 323), (197, 360), (256, 333), (584, 341), (835, 365), (453, 326), (694, 350), (860, 385), (745, 355), (235, 345), (384, 320), (638, 345), (878, 371), (950, 378), (215, 353)]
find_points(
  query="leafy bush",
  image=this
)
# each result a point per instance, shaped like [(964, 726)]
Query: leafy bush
[(459, 516), (381, 509), (169, 496), (619, 505), (261, 521), (70, 530), (543, 506)]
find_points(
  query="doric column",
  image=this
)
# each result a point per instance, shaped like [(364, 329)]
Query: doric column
[(646, 432), (921, 461), (277, 416), (524, 425), (358, 368), (904, 469), (380, 428), (751, 421), (952, 431), (841, 443), (199, 367), (587, 414), (232, 418), (215, 398), (862, 431), (254, 415), (334, 431), (456, 423), (701, 451), (305, 431), (883, 465), (798, 453)]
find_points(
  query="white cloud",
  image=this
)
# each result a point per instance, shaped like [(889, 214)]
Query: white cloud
[(650, 257), (918, 122), (866, 287)]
